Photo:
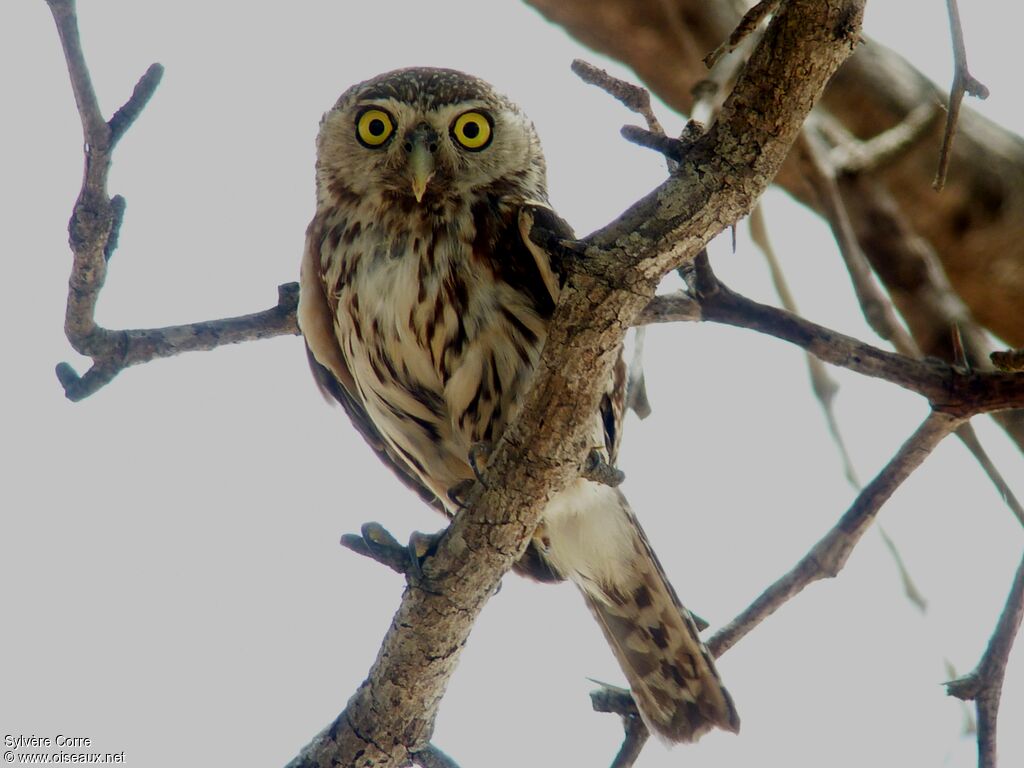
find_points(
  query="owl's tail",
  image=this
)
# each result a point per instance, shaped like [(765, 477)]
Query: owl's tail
[(591, 536)]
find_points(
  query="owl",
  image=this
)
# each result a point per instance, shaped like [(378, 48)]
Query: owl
[(425, 304)]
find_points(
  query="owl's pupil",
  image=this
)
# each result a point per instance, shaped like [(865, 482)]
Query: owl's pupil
[(376, 127), (472, 130)]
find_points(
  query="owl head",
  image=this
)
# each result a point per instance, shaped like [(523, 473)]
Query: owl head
[(423, 136)]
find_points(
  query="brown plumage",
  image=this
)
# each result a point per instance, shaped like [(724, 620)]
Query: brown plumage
[(425, 305)]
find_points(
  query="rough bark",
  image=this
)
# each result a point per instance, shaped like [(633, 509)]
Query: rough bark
[(975, 226)]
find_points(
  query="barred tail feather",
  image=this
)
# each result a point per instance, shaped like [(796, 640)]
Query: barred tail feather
[(671, 676), (592, 537)]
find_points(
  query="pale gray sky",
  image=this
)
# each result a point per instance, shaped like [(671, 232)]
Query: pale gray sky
[(175, 586)]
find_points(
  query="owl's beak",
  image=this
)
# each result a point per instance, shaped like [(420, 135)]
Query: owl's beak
[(421, 144)]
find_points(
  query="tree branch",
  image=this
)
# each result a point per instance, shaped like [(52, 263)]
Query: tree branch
[(985, 683), (827, 558), (822, 384), (619, 701), (955, 391), (974, 229), (93, 229), (963, 83)]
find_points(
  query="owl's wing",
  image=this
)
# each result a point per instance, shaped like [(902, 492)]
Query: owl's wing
[(538, 225), (332, 376)]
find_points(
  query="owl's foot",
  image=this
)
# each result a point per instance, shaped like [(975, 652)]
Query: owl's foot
[(463, 493), (421, 546), (376, 543), (479, 456)]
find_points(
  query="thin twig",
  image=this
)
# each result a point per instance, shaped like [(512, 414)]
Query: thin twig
[(633, 97), (619, 701), (985, 683), (970, 439), (123, 118), (876, 307), (822, 384), (851, 155), (909, 587), (963, 82), (827, 558)]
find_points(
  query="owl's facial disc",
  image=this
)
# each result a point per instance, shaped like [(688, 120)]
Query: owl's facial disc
[(421, 145)]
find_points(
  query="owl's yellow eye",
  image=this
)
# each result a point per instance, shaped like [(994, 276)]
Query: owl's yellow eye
[(374, 126), (472, 130)]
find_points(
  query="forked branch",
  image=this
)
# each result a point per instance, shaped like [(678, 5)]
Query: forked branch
[(984, 685), (93, 229), (963, 83)]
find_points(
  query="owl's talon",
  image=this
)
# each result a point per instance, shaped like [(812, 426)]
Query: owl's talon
[(477, 451), (376, 543), (421, 546), (461, 493)]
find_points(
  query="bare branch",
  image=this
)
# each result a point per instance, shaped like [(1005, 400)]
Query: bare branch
[(979, 391), (633, 97), (123, 118), (876, 307), (985, 683), (974, 231), (970, 439), (94, 227), (827, 558), (122, 349), (822, 384), (963, 82), (851, 155), (619, 701), (960, 392), (910, 589)]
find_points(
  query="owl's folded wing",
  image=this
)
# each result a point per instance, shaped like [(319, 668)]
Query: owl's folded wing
[(316, 320)]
